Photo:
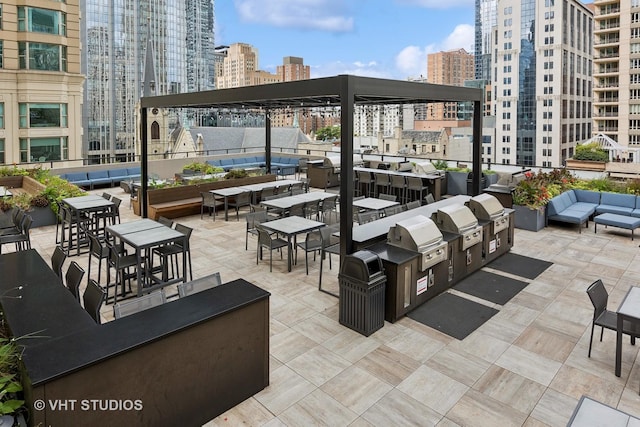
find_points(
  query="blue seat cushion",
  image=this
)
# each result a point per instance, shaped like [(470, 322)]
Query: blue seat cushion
[(571, 216), (587, 196), (118, 174)]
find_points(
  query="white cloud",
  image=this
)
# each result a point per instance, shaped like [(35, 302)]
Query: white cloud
[(461, 37), (323, 15), (357, 68), (412, 60), (439, 4)]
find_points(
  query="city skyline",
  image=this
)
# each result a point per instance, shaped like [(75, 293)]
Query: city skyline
[(385, 39)]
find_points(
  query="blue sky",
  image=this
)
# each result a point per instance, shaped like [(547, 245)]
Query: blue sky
[(374, 38)]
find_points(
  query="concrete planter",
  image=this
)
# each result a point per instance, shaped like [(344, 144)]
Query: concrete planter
[(529, 219), (585, 165), (456, 183)]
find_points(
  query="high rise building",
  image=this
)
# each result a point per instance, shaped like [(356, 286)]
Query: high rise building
[(484, 34), (542, 84), (453, 68), (114, 37), (40, 82), (616, 71), (293, 68), (239, 67)]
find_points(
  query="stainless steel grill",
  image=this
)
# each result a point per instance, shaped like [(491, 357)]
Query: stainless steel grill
[(459, 219), (422, 235), (333, 161), (488, 208)]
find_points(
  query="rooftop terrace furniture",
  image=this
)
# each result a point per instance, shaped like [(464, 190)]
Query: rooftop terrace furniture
[(102, 177), (145, 302), (573, 207), (605, 318), (617, 220), (616, 203), (199, 285), (93, 298), (174, 202)]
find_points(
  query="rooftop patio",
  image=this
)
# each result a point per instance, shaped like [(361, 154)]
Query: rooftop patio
[(527, 365)]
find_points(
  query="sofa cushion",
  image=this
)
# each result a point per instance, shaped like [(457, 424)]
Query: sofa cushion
[(588, 196), (226, 162), (214, 162), (240, 161), (77, 177), (572, 196), (616, 199), (555, 206), (134, 172), (117, 173), (98, 175), (571, 216)]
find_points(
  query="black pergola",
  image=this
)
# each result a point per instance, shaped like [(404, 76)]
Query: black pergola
[(344, 91)]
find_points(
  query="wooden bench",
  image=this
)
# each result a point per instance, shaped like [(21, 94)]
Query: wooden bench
[(174, 202)]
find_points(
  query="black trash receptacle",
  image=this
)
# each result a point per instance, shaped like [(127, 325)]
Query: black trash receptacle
[(362, 286), (483, 183)]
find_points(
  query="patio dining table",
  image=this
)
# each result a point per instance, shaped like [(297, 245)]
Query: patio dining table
[(144, 235), (291, 226), (284, 203), (82, 207), (373, 204), (226, 194)]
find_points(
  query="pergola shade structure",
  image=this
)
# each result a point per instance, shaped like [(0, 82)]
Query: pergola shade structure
[(344, 91)]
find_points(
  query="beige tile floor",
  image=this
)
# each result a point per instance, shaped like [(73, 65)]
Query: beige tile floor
[(527, 365)]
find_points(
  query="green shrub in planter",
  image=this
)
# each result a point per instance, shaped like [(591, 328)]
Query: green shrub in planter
[(591, 152)]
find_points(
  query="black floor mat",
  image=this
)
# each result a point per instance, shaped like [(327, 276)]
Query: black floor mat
[(452, 315), (490, 287), (520, 265)]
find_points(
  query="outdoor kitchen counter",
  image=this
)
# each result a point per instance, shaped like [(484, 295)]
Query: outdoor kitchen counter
[(376, 231)]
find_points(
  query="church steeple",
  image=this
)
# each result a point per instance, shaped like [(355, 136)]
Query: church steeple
[(150, 79)]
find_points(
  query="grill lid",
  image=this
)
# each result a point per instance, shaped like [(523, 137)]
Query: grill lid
[(485, 206), (455, 218), (334, 161), (417, 233), (426, 168)]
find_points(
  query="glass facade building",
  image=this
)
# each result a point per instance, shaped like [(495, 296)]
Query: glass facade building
[(114, 36), (484, 26)]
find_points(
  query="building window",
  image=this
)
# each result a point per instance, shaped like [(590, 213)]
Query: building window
[(1, 115), (43, 149), (1, 53), (42, 56), (155, 130), (2, 151), (36, 20), (42, 115)]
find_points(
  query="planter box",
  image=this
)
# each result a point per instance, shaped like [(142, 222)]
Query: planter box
[(42, 216), (585, 165), (529, 219)]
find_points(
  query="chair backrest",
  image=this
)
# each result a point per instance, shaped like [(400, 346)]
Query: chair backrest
[(297, 191), (599, 297), (388, 197), (190, 288), (25, 228), (73, 277), (429, 198), (145, 302), (264, 238), (256, 217), (165, 221), (366, 217), (398, 181), (311, 208), (392, 210), (186, 231), (266, 192), (95, 247), (116, 203), (414, 204), (106, 196), (297, 210), (125, 186), (208, 198), (364, 177), (243, 199), (382, 179), (414, 183), (358, 198), (57, 259), (257, 208), (93, 298)]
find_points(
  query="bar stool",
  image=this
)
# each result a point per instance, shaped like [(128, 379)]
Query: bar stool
[(399, 184), (382, 183), (122, 263), (365, 178), (414, 184)]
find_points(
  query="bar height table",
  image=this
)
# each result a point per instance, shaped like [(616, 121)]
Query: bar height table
[(629, 309), (145, 234), (226, 193), (81, 207)]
